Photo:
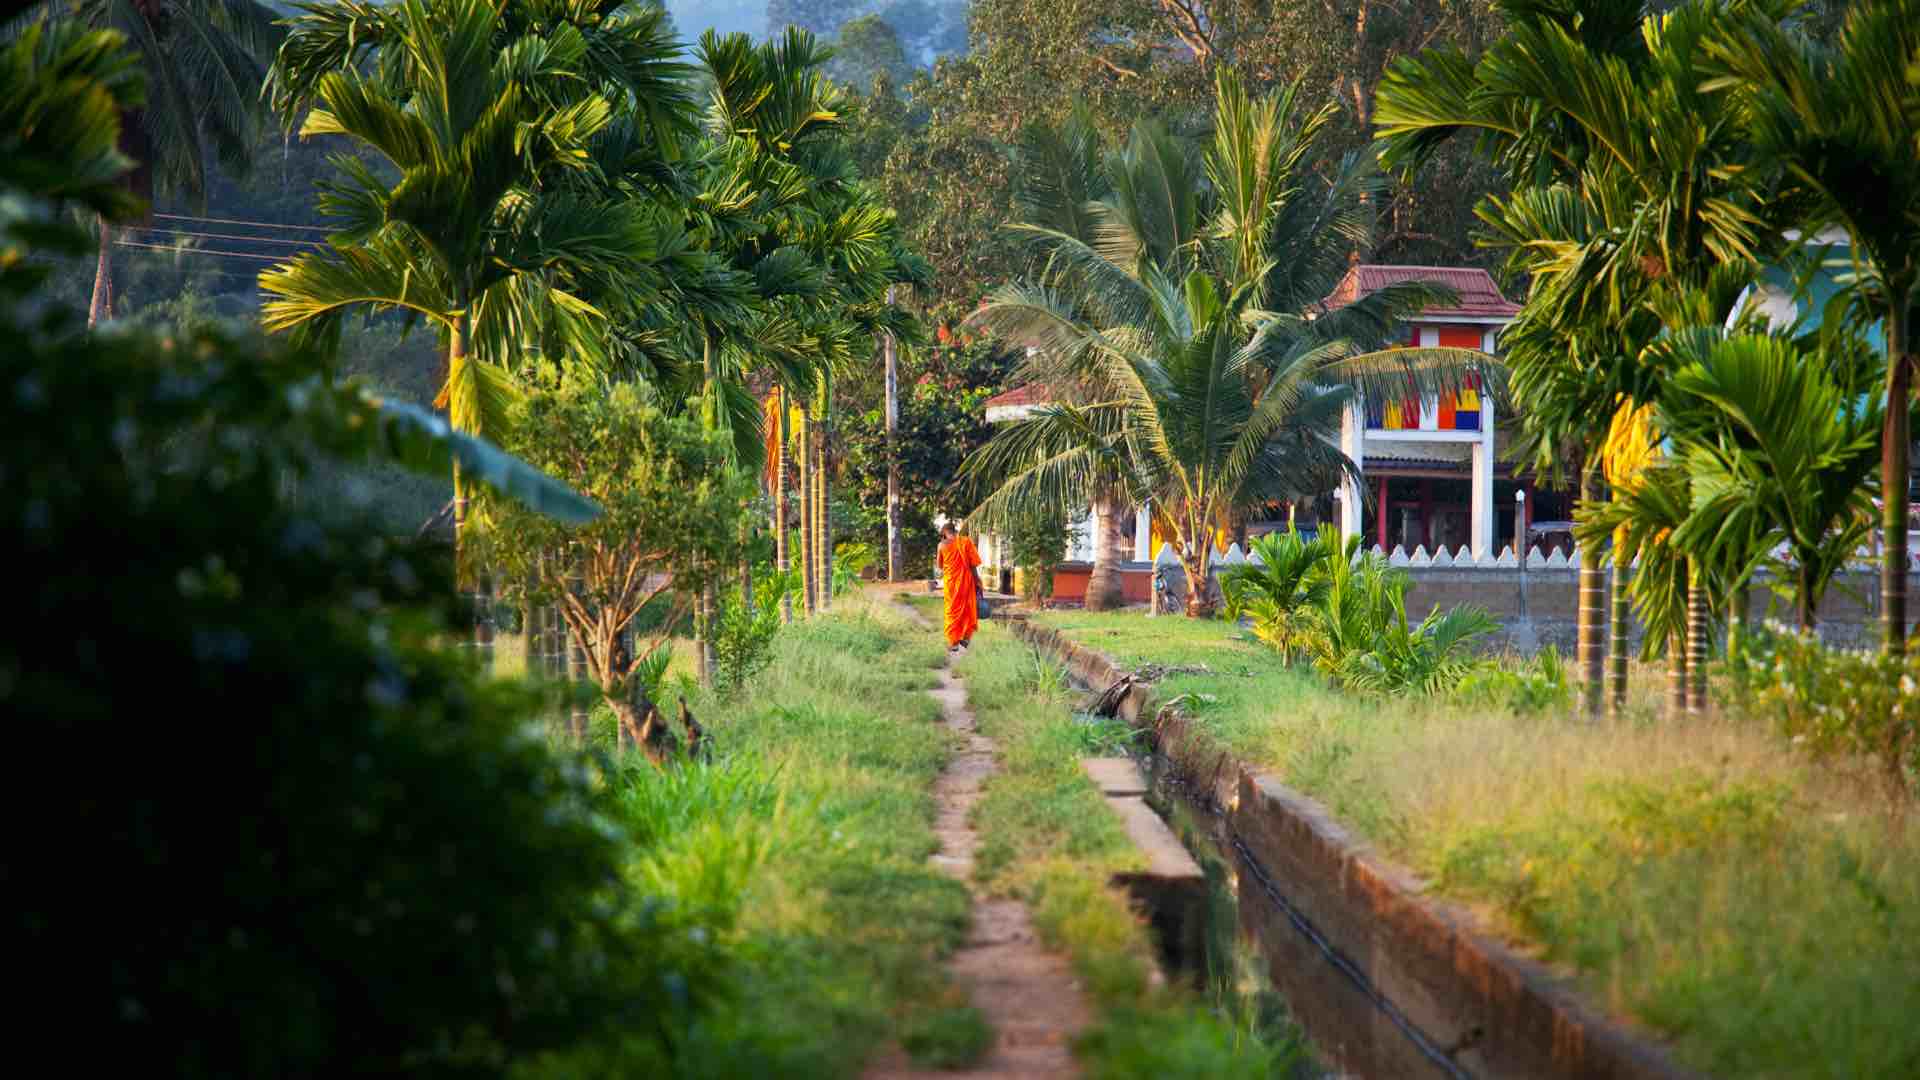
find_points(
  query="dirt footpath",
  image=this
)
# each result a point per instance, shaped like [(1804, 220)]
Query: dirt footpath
[(1029, 995)]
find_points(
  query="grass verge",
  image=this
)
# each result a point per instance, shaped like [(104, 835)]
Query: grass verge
[(1048, 837), (1699, 876), (804, 842)]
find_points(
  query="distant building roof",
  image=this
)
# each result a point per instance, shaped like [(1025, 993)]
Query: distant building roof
[(1029, 394), (1479, 297)]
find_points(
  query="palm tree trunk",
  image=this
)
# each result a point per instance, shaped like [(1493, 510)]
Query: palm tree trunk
[(1589, 644), (826, 492), (709, 661), (703, 606), (1697, 609), (1893, 482), (1736, 619), (895, 557), (1806, 608), (805, 492), (482, 629), (780, 553), (822, 547), (1196, 562), (1103, 584), (581, 715), (1617, 641), (101, 309), (1676, 675)]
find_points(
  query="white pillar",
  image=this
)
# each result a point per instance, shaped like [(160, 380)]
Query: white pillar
[(1142, 535), (1482, 505), (1353, 506)]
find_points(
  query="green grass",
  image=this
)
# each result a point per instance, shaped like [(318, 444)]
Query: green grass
[(805, 843), (1699, 876), (1048, 838)]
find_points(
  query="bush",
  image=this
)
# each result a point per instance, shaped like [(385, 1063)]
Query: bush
[(1037, 541), (1347, 611), (744, 632), (1533, 686), (329, 849), (1830, 702)]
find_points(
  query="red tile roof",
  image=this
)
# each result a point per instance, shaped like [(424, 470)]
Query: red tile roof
[(1030, 394), (1479, 297)]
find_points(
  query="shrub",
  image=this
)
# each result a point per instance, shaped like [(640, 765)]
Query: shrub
[(1347, 610), (744, 632), (1538, 684), (850, 560), (1037, 542), (300, 838), (267, 824), (1279, 590), (1834, 701)]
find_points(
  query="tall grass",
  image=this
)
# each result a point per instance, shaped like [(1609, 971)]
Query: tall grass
[(1699, 875), (804, 844)]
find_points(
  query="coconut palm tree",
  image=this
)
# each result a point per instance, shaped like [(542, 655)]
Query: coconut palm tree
[(205, 61), (1199, 370), (1842, 124)]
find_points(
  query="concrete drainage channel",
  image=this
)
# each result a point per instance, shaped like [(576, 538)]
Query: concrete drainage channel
[(1387, 981)]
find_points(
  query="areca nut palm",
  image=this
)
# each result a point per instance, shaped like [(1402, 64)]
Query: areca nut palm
[(1780, 440), (1633, 196), (1200, 379), (204, 62), (1842, 123), (480, 235), (780, 204)]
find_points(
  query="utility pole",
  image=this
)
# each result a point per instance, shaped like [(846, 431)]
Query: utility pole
[(890, 350)]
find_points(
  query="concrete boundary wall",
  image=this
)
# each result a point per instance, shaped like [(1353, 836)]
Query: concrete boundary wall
[(1388, 981)]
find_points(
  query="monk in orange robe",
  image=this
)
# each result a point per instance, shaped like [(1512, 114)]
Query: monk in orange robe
[(960, 575)]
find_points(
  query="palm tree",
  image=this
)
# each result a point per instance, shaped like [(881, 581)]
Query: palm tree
[(1203, 374), (1842, 123), (1638, 200), (781, 207), (205, 61), (493, 232), (1779, 439)]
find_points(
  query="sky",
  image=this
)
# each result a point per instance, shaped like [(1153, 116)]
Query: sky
[(726, 16)]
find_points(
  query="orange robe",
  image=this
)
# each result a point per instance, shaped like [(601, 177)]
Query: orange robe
[(958, 557)]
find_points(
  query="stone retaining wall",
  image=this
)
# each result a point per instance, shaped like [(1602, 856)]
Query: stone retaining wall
[(1537, 606), (1387, 981)]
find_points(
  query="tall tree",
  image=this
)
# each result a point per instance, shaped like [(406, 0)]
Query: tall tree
[(1842, 123), (205, 61), (497, 230), (1636, 205), (1188, 319)]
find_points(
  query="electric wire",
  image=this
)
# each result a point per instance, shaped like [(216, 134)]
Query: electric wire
[(199, 251), (233, 236), (239, 221)]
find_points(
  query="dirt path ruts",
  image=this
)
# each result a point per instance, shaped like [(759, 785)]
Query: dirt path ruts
[(1028, 995)]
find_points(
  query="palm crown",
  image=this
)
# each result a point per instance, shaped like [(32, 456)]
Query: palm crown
[(1178, 299)]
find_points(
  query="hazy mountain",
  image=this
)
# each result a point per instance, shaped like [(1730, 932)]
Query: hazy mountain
[(926, 28)]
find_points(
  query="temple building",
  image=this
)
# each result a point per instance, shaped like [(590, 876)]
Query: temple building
[(1429, 464)]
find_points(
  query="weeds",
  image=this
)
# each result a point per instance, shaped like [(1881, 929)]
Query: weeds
[(804, 845), (1707, 877)]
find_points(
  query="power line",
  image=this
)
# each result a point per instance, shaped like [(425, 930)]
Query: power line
[(234, 236), (199, 251), (238, 221)]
